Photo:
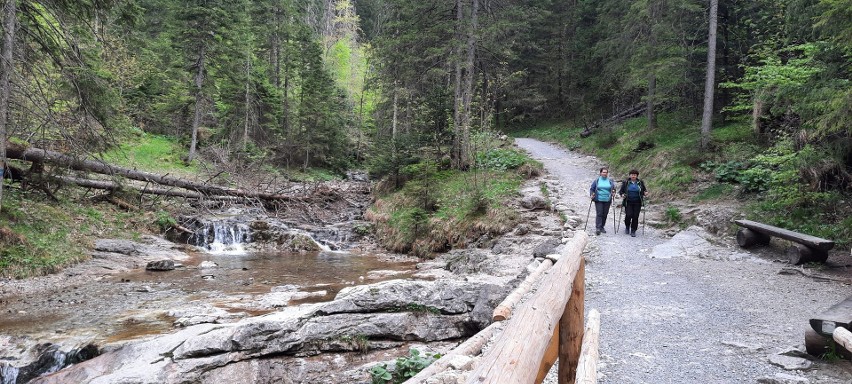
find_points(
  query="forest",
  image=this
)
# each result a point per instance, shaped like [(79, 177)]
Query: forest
[(286, 85)]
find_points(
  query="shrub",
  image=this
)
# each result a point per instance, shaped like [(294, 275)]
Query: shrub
[(406, 368), (501, 159)]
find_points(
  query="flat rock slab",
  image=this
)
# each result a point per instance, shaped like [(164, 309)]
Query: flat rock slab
[(790, 363)]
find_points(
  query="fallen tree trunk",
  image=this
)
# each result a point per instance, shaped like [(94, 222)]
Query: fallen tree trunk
[(113, 186), (17, 151)]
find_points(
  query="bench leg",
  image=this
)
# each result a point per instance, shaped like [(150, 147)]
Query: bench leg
[(800, 254), (818, 345), (747, 237)]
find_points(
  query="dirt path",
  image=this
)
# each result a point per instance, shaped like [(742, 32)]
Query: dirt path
[(681, 310)]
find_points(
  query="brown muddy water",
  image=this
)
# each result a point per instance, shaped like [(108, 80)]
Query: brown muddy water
[(130, 305)]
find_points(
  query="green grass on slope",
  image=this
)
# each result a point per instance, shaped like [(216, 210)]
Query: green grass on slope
[(669, 167), (151, 153), (39, 236)]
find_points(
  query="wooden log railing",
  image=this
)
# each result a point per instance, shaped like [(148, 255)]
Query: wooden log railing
[(552, 317)]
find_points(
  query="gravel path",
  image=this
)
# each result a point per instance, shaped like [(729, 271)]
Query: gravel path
[(670, 314)]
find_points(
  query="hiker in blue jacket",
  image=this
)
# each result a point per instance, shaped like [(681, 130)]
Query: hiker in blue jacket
[(633, 191), (602, 193)]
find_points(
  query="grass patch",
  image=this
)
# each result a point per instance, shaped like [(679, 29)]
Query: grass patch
[(151, 153), (715, 192), (436, 210), (38, 237)]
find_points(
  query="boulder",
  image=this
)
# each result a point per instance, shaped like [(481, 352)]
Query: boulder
[(160, 265)]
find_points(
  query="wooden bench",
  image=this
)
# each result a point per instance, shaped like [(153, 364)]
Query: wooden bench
[(807, 248), (824, 325)]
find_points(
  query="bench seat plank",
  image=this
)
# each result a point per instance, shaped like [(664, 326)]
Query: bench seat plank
[(839, 315), (808, 240)]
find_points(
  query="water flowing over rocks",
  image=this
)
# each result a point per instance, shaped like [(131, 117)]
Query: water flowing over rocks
[(445, 301)]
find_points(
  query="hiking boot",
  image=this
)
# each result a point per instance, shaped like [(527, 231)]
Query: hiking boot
[(603, 230), (627, 230), (633, 234), (597, 232)]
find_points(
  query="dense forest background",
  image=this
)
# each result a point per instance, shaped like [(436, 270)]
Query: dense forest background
[(286, 84)]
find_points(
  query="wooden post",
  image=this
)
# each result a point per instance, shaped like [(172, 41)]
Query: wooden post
[(571, 328), (587, 367), (516, 356)]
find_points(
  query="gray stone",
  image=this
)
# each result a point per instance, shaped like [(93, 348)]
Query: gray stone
[(124, 247), (161, 265), (790, 363), (533, 202), (783, 378), (546, 247)]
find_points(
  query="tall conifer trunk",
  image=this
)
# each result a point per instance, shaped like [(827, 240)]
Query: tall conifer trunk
[(710, 80), (6, 67), (199, 96), (457, 86)]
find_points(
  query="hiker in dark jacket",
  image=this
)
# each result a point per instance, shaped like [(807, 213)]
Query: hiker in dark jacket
[(602, 193), (633, 191)]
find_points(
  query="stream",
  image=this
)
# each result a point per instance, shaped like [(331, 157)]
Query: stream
[(73, 317)]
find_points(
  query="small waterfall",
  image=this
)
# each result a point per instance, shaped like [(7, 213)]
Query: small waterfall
[(50, 359), (8, 374), (222, 237)]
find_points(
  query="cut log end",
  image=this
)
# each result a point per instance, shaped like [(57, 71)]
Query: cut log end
[(746, 237), (800, 254)]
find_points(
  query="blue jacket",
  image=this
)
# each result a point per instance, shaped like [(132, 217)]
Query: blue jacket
[(594, 189)]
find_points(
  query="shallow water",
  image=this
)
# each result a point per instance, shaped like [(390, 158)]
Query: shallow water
[(129, 305)]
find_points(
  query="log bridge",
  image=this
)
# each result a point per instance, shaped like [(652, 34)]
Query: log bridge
[(806, 248)]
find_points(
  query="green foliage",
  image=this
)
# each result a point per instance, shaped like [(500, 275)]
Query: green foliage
[(673, 215), (39, 237), (501, 159), (165, 221), (788, 202), (151, 153), (714, 192), (831, 355), (404, 369), (436, 209)]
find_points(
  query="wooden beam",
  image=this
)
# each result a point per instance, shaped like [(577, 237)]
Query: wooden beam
[(587, 367), (504, 310), (516, 355), (811, 241)]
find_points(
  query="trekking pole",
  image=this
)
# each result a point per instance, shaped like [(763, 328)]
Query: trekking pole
[(643, 216), (587, 215)]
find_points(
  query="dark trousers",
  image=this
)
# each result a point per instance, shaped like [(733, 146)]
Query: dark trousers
[(601, 210), (631, 215)]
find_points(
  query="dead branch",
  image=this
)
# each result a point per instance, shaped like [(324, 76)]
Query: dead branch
[(801, 271)]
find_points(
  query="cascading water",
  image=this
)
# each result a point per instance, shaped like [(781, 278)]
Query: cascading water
[(50, 359), (222, 237)]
